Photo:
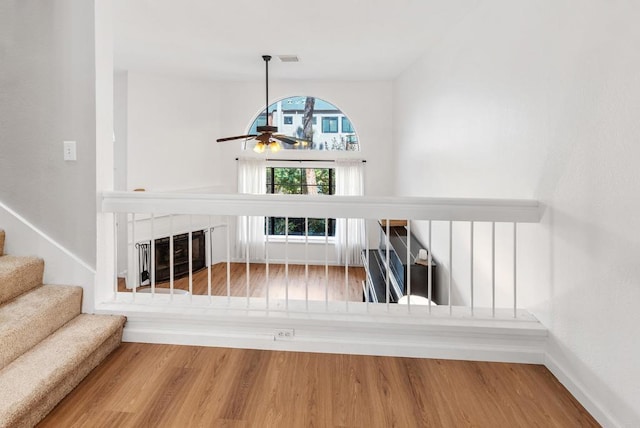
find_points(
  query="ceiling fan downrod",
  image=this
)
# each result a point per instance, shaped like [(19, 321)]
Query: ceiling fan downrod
[(266, 59), (267, 127)]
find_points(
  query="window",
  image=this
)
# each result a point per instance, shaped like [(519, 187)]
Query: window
[(300, 181), (330, 125), (331, 130), (346, 125)]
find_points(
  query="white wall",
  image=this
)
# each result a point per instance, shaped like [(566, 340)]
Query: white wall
[(120, 128), (171, 129), (541, 100), (47, 88)]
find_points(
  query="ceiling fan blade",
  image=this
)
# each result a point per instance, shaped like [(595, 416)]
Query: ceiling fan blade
[(237, 137), (290, 140)]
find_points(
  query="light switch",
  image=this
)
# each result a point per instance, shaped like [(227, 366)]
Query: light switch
[(69, 150)]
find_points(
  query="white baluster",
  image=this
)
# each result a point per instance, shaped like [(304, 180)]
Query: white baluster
[(409, 263), (248, 267), (387, 263), (190, 253), (134, 265), (493, 269), (228, 262), (326, 264), (306, 263), (471, 267), (430, 271), (115, 255), (209, 258), (286, 263), (152, 274), (171, 261), (515, 271), (367, 279), (346, 265), (450, 264), (266, 268)]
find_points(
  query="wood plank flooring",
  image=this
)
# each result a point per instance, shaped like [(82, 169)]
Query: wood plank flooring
[(321, 284), (143, 385)]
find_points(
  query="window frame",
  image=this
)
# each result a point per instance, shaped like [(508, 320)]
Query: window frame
[(270, 222)]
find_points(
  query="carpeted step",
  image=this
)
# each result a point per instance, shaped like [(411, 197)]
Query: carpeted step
[(19, 275), (32, 316), (35, 382), (1, 242)]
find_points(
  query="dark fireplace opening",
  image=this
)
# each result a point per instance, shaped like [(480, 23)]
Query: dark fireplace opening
[(180, 256)]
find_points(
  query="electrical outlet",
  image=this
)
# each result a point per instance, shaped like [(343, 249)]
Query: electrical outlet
[(69, 150), (283, 334)]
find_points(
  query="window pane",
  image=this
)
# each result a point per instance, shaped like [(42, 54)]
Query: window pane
[(277, 226), (287, 189), (322, 175), (346, 125), (329, 125), (288, 176)]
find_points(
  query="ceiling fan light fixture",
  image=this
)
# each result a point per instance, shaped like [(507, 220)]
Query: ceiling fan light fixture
[(274, 146), (259, 147)]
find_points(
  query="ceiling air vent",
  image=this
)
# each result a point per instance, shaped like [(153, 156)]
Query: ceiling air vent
[(288, 58)]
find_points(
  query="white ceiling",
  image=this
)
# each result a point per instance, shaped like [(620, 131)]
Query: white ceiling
[(334, 39)]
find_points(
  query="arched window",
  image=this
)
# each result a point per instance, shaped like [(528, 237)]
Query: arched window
[(318, 124)]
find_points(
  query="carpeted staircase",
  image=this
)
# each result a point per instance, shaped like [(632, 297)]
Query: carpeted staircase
[(46, 345)]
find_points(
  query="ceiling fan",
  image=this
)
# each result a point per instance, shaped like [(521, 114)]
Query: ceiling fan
[(266, 136)]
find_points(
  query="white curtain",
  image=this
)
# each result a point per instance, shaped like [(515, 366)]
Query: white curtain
[(349, 232), (252, 178)]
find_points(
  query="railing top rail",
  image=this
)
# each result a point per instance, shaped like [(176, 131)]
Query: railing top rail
[(413, 208)]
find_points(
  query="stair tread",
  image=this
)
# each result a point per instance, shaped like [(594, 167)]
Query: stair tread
[(9, 262), (34, 315), (19, 274), (29, 378)]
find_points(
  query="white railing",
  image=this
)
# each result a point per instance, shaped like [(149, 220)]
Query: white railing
[(471, 243)]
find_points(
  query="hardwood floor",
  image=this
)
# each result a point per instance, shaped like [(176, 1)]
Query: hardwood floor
[(336, 289), (143, 385)]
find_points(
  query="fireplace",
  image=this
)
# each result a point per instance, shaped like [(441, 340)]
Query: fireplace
[(180, 256)]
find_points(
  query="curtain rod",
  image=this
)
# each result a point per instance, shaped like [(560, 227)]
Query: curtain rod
[(304, 160)]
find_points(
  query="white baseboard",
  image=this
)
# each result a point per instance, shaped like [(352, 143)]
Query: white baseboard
[(519, 342), (578, 390)]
